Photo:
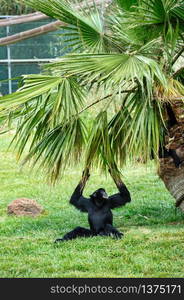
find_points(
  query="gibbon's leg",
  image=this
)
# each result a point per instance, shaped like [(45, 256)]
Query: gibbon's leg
[(75, 233)]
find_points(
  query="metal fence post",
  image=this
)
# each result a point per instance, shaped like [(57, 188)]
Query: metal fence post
[(9, 63)]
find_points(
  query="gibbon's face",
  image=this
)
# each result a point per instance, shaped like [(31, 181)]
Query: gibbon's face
[(99, 196)]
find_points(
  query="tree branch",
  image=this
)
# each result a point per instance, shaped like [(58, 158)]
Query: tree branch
[(108, 96), (39, 16), (31, 33), (23, 19)]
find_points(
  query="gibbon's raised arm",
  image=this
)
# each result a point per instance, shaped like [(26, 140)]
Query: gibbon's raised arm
[(77, 198), (122, 197)]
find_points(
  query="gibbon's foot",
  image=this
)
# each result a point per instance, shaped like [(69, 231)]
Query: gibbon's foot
[(118, 235), (59, 240), (114, 233)]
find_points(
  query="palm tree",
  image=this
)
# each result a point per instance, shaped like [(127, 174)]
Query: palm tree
[(117, 95)]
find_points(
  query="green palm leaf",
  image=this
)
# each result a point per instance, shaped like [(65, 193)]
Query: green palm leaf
[(85, 28), (158, 12), (98, 147), (34, 86), (135, 131), (127, 5), (41, 104), (116, 68), (60, 147), (63, 93)]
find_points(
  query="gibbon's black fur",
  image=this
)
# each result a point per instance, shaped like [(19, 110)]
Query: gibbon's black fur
[(98, 207)]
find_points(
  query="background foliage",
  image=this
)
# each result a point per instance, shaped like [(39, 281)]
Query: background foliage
[(14, 7)]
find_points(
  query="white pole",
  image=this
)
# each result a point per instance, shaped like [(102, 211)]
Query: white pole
[(9, 62)]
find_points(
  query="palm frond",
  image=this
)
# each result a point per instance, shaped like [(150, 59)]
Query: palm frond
[(175, 91), (41, 104), (136, 130), (60, 92), (60, 147), (85, 28), (127, 5), (33, 87), (114, 68), (98, 147), (177, 10), (158, 12)]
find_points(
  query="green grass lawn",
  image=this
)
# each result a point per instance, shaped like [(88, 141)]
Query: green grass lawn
[(153, 242)]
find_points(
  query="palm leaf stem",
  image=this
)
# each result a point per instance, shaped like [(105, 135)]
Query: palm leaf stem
[(101, 99)]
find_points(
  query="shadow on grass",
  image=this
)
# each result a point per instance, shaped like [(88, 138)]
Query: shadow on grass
[(61, 222)]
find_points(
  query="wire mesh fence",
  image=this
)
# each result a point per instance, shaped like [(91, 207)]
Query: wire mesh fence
[(25, 57)]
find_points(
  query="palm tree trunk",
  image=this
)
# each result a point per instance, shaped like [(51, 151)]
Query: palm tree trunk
[(172, 175)]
